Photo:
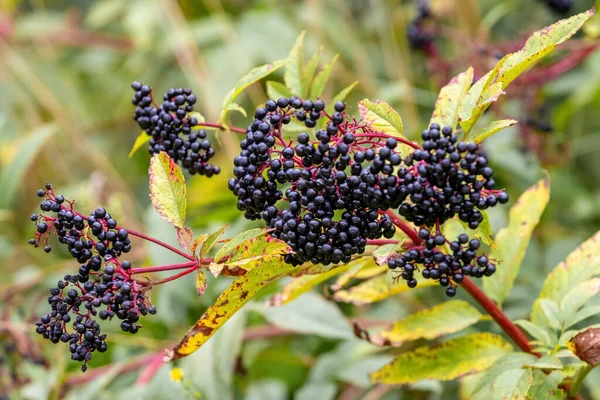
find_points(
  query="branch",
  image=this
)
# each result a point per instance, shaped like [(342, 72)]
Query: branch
[(160, 243), (219, 126)]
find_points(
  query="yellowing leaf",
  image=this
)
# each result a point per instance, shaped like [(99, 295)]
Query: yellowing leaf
[(141, 140), (374, 290), (167, 189), (236, 107), (450, 98), (483, 133), (512, 241), (361, 268), (228, 303), (234, 243), (302, 285), (207, 241), (295, 64), (184, 237), (200, 282), (251, 77), (488, 96), (449, 360), (318, 85), (381, 117), (449, 317), (256, 248)]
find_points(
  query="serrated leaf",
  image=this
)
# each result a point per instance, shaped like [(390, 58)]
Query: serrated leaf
[(200, 282), (318, 85), (545, 386), (206, 242), (512, 241), (228, 303), (251, 77), (374, 290), (578, 296), (449, 317), (484, 231), (302, 285), (141, 140), (484, 133), (184, 237), (447, 361), (488, 96), (536, 331), (581, 315), (450, 98), (231, 245), (295, 63), (308, 73), (381, 117), (167, 189), (236, 107), (586, 346), (581, 265), (540, 44), (275, 90)]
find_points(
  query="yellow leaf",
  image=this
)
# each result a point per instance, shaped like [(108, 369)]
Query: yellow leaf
[(141, 140), (167, 189), (200, 282), (488, 131)]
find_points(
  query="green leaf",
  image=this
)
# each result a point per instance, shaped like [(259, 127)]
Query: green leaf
[(545, 362), (275, 90), (228, 303), (318, 85), (262, 246), (488, 96), (450, 98), (486, 384), (167, 189), (449, 317), (551, 312), (200, 282), (141, 140), (207, 241), (545, 386), (483, 133), (295, 64), (236, 107), (581, 265), (538, 332), (302, 285), (374, 290), (581, 315), (512, 384), (447, 361), (231, 245), (308, 73), (512, 241), (23, 153), (360, 268), (341, 96), (251, 77), (381, 117), (578, 296), (540, 44)]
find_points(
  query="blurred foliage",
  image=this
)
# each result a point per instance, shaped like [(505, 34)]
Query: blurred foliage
[(65, 117)]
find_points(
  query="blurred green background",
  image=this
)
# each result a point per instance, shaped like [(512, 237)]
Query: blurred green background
[(65, 117)]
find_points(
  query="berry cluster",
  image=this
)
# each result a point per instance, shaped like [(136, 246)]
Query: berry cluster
[(102, 287), (560, 6), (171, 128), (448, 178), (418, 31), (323, 179), (448, 269)]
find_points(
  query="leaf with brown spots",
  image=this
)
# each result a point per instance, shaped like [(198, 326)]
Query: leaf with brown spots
[(184, 237), (167, 189), (586, 346), (200, 282), (207, 241), (449, 360), (228, 303)]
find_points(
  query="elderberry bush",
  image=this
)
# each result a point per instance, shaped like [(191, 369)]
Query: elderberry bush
[(171, 128), (448, 269), (331, 199), (101, 288)]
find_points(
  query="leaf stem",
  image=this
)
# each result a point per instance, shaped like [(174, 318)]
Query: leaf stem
[(160, 243), (159, 268), (498, 315), (579, 381), (174, 277), (219, 126)]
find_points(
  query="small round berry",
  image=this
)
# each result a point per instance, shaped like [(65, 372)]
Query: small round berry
[(450, 291), (339, 106), (41, 193)]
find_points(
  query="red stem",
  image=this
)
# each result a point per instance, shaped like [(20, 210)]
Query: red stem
[(160, 243), (150, 371), (219, 126), (159, 268), (498, 315), (381, 242), (176, 276), (404, 226)]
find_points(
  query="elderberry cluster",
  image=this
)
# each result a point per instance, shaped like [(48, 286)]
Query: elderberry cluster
[(559, 6), (102, 286), (446, 179), (170, 126), (323, 179), (417, 32), (448, 269)]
